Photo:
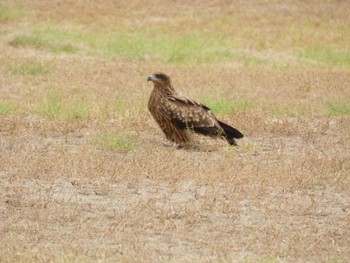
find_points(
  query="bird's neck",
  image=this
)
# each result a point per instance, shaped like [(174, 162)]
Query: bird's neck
[(166, 88)]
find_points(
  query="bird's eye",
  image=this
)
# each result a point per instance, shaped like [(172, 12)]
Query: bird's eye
[(161, 77)]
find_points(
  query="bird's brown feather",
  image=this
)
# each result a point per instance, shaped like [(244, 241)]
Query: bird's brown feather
[(191, 113)]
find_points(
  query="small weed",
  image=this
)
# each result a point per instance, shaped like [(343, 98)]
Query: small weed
[(29, 68), (253, 62), (337, 108), (77, 111), (8, 14), (221, 106), (55, 108), (39, 41), (116, 141), (52, 107), (28, 41), (6, 107), (120, 105), (226, 106), (327, 56)]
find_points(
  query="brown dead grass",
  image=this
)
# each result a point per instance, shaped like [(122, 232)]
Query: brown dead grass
[(281, 196)]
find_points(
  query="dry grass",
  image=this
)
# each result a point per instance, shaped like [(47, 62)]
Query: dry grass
[(86, 175)]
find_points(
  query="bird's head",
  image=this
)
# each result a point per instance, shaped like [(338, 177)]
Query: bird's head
[(159, 78)]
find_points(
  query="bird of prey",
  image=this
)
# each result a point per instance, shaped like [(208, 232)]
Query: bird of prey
[(176, 114)]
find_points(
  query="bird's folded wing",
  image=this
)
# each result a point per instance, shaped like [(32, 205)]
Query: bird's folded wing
[(186, 113)]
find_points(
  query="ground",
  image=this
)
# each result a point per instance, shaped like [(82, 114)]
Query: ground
[(86, 175)]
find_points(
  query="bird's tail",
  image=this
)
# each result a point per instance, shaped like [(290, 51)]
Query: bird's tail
[(230, 133)]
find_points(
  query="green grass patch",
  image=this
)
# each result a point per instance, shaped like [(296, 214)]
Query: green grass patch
[(182, 49), (185, 49), (54, 107), (337, 108), (8, 14), (327, 56), (141, 44), (190, 49), (45, 40), (122, 142), (167, 47), (135, 45), (30, 68), (120, 105), (7, 107), (253, 62), (228, 106)]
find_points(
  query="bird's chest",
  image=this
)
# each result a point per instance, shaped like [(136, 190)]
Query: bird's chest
[(156, 105)]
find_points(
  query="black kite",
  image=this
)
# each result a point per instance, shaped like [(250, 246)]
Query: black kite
[(176, 114)]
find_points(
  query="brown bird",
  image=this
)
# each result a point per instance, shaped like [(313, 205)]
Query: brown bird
[(176, 114)]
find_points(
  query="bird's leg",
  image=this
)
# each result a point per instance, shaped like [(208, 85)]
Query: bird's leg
[(177, 146), (173, 144)]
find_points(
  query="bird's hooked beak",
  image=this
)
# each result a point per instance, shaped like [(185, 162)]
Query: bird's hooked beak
[(151, 78)]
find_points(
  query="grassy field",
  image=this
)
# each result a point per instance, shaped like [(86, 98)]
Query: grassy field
[(87, 176)]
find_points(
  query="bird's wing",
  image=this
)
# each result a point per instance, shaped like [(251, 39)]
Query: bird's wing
[(186, 113)]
